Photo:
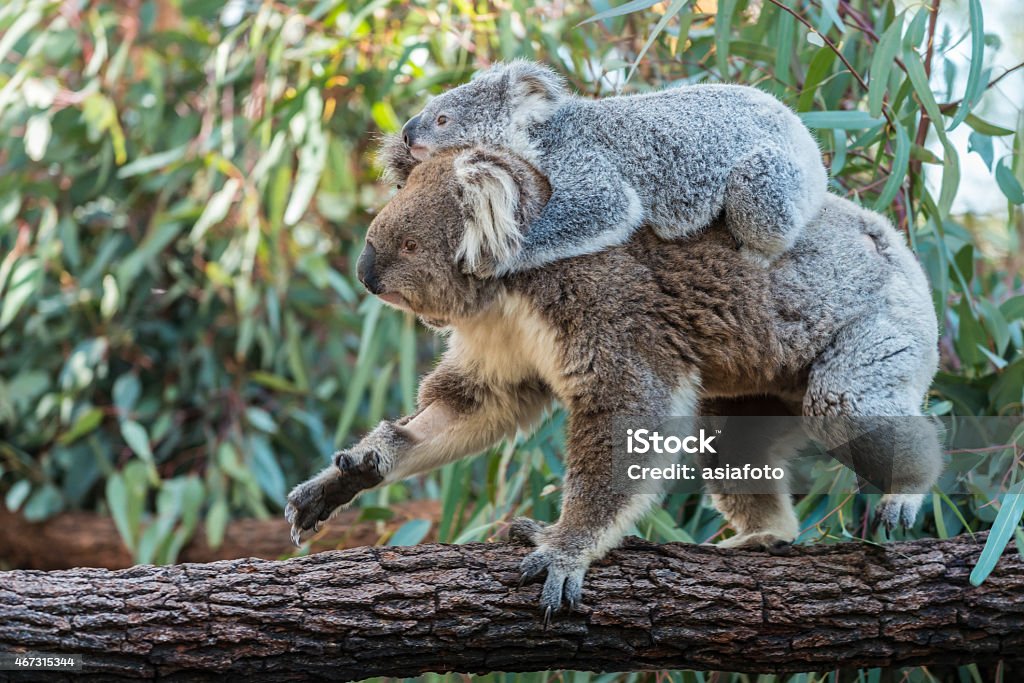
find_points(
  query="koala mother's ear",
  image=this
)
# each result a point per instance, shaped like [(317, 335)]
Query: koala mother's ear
[(536, 89), (395, 159), (500, 194)]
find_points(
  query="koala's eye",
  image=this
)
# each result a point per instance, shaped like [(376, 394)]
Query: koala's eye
[(442, 119), (409, 246)]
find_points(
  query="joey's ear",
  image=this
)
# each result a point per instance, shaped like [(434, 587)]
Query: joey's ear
[(536, 89), (394, 159), (497, 200)]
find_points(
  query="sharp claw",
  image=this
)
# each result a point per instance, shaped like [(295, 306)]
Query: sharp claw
[(547, 617), (296, 537)]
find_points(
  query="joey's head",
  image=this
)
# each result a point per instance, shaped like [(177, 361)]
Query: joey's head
[(460, 203), (494, 108)]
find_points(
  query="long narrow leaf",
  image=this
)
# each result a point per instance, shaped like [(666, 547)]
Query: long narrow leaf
[(881, 64), (723, 34), (975, 82), (673, 10), (1002, 531), (628, 8), (844, 120), (898, 171)]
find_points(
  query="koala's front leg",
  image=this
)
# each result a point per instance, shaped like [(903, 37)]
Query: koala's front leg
[(355, 470), (594, 516), (460, 416)]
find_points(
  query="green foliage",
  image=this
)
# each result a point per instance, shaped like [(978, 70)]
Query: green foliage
[(185, 188)]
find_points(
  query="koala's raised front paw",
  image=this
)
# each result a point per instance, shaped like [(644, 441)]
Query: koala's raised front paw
[(310, 504), (360, 466), (313, 502), (898, 509)]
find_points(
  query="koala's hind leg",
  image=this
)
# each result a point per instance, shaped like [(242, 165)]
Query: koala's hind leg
[(863, 402), (760, 511), (763, 521), (770, 195)]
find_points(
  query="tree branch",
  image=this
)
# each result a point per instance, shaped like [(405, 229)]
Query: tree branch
[(384, 611), (86, 539)]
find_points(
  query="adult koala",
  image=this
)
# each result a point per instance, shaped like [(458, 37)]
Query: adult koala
[(841, 325)]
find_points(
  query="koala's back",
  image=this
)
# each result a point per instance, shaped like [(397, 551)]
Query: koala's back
[(699, 303), (677, 147)]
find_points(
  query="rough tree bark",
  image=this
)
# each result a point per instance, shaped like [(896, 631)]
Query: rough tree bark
[(402, 611), (87, 539)]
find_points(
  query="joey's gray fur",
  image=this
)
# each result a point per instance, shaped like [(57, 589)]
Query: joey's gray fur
[(673, 159), (841, 325)]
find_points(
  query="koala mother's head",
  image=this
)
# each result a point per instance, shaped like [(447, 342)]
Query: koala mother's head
[(460, 208)]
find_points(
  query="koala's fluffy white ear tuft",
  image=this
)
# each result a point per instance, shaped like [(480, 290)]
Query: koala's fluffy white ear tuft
[(491, 203), (536, 89), (394, 159)]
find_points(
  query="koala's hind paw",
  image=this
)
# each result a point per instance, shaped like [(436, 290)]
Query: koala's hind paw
[(768, 541), (898, 509), (564, 581)]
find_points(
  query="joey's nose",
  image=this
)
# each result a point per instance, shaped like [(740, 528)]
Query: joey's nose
[(364, 268), (409, 131)]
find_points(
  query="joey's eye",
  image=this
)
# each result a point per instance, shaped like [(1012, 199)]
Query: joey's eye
[(442, 119), (409, 246)]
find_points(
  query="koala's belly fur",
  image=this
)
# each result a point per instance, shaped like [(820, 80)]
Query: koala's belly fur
[(605, 325)]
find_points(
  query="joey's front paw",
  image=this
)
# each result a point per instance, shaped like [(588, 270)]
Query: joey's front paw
[(482, 269), (525, 531)]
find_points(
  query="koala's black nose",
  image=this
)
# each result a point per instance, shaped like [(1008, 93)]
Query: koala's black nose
[(364, 268), (409, 130)]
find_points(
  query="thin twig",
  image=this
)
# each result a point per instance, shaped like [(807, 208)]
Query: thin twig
[(948, 106)]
